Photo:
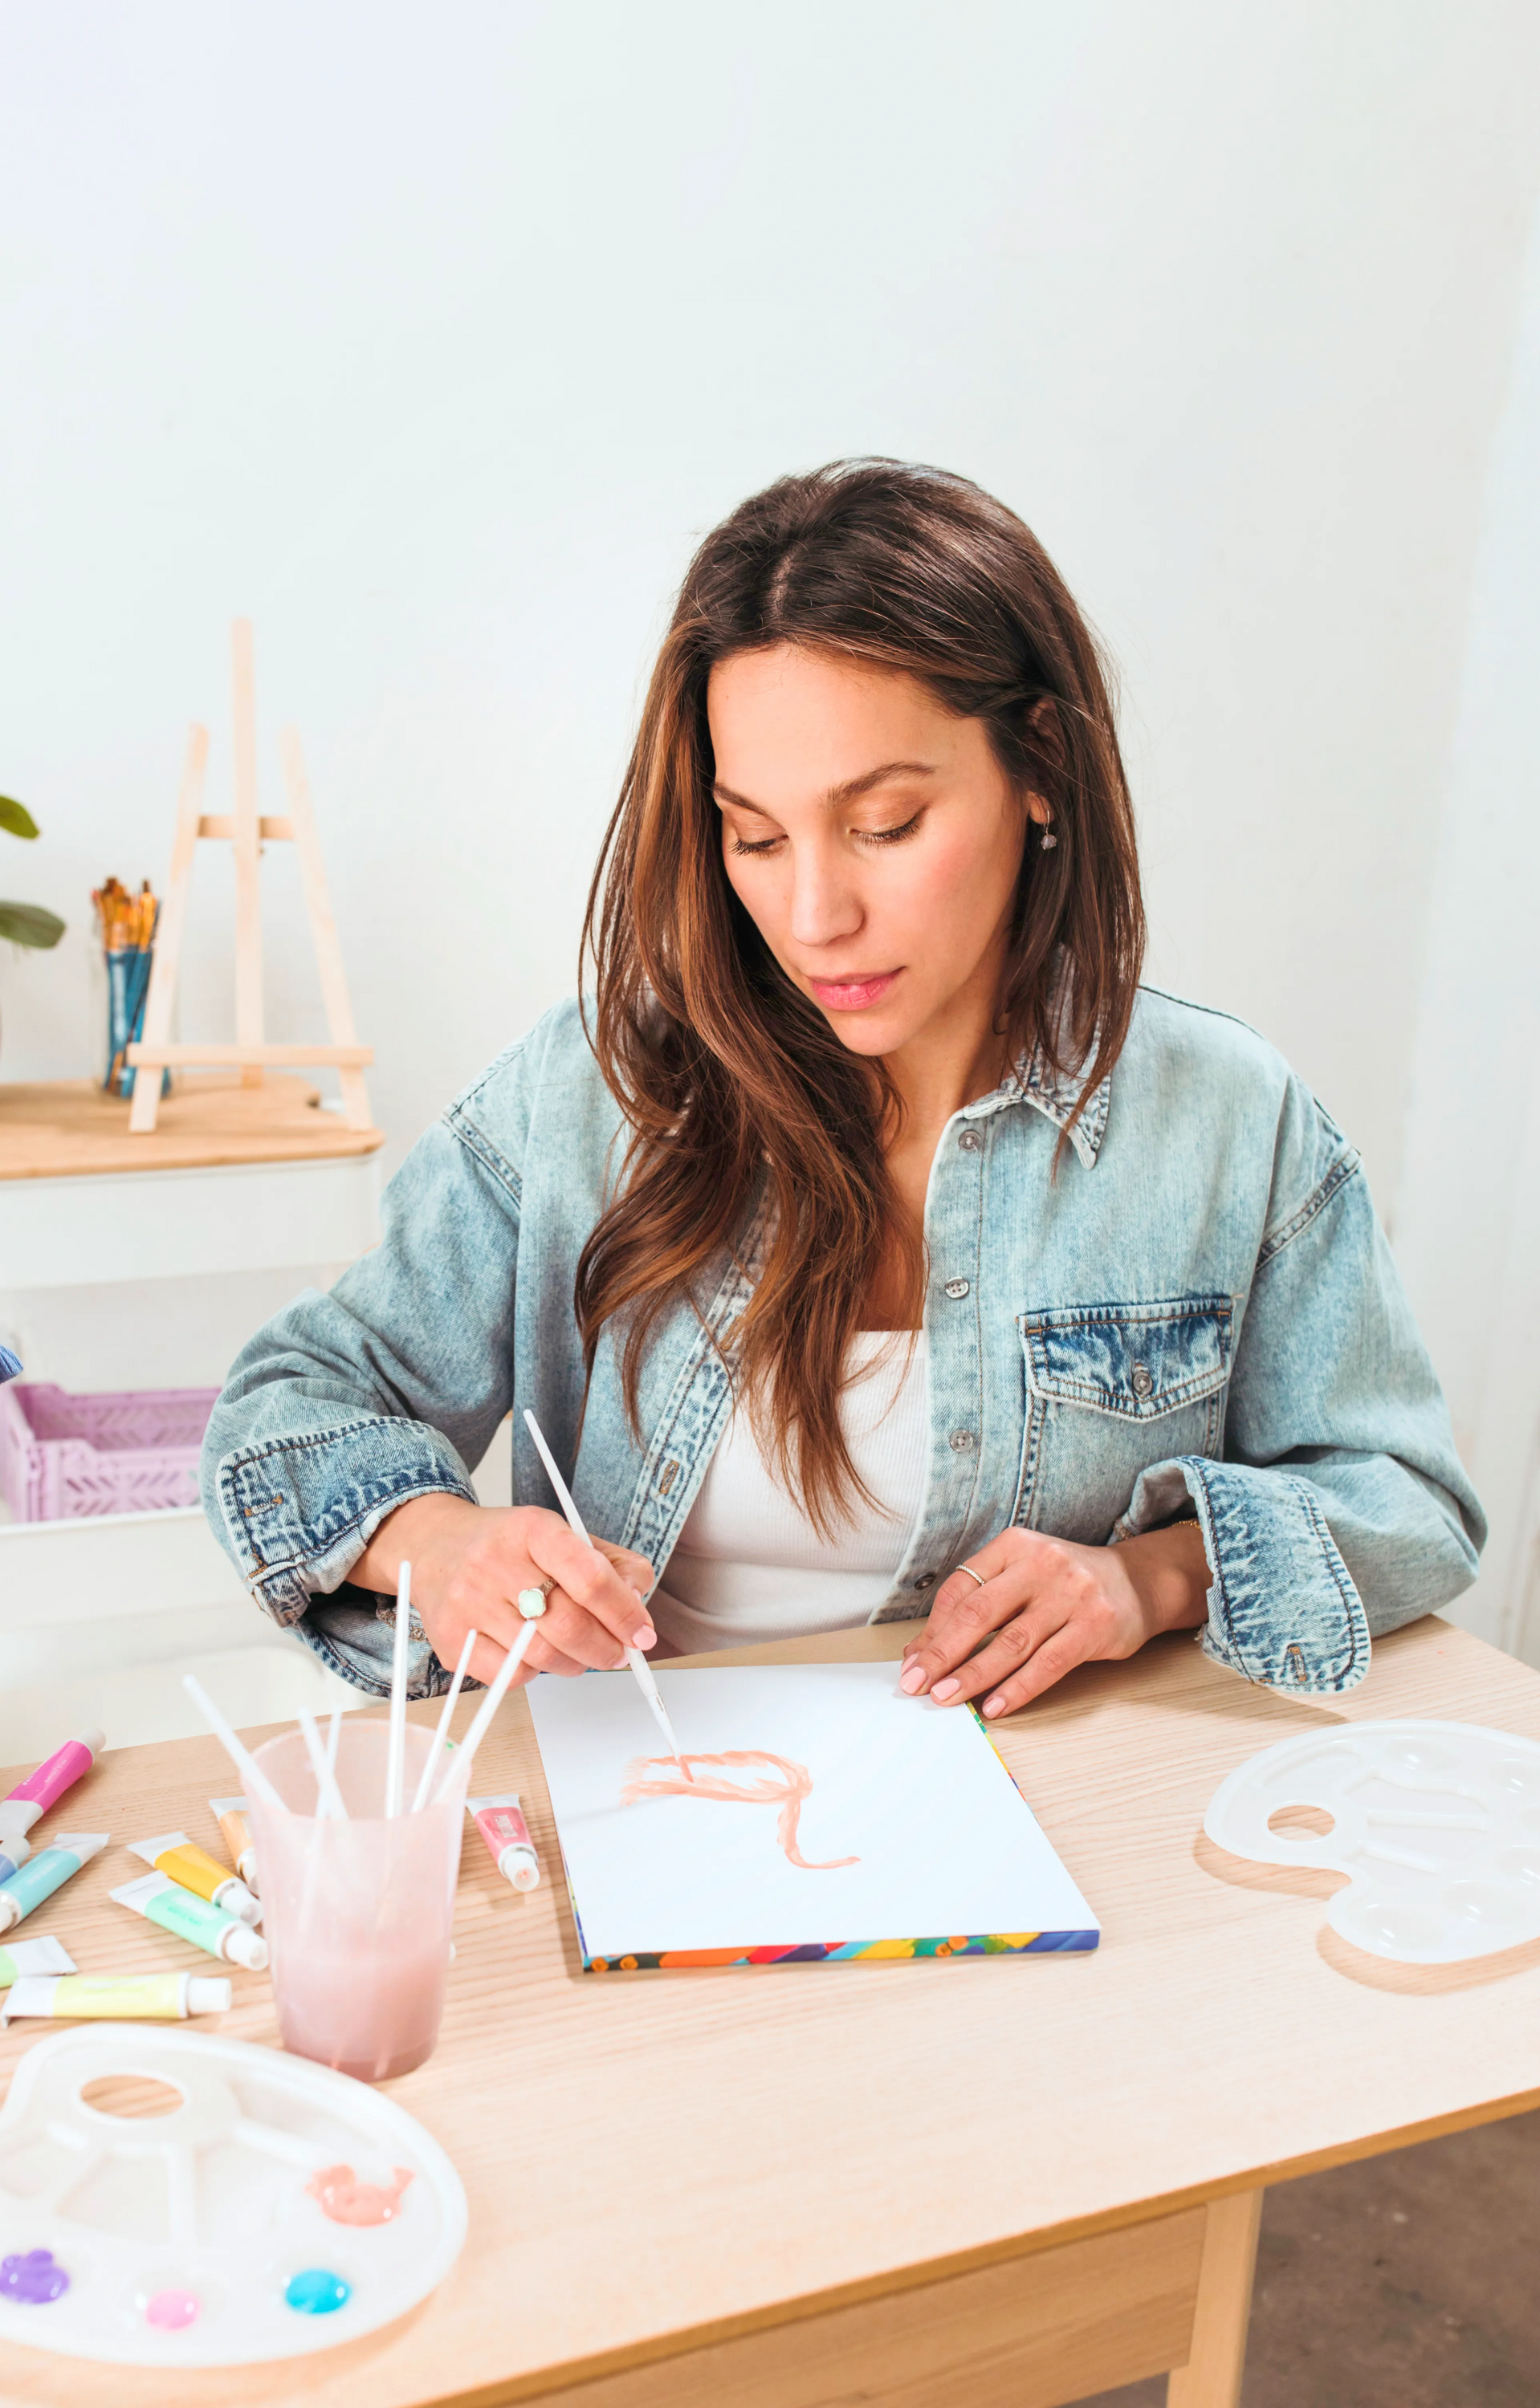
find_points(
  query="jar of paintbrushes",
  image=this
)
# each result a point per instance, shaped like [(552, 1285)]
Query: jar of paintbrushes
[(127, 924)]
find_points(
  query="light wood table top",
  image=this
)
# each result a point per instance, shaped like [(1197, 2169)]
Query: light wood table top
[(69, 1128), (659, 2155)]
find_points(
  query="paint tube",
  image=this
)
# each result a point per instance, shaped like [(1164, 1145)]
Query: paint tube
[(175, 1908), (21, 1807), (44, 1873), (191, 1868), (121, 1997), (29, 1956), (13, 1854), (236, 1831), (502, 1826)]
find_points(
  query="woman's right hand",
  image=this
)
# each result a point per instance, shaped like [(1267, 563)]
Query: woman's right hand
[(469, 1563)]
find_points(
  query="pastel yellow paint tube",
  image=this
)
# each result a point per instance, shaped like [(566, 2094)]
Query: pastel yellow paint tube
[(29, 1956), (168, 1997), (181, 1861), (236, 1831)]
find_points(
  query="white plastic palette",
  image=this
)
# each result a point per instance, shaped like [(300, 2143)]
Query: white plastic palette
[(191, 2239), (1438, 1823)]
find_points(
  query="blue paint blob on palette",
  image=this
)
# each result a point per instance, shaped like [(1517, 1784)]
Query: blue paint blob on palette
[(275, 2210), (317, 2292)]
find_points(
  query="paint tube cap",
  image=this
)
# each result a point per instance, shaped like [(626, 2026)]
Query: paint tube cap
[(91, 1740), (240, 1945), (237, 1899), (520, 1865), (208, 1995)]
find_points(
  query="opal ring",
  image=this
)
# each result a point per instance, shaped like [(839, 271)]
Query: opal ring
[(973, 1575), (531, 1601)]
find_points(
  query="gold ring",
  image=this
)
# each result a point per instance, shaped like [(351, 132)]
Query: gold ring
[(973, 1575)]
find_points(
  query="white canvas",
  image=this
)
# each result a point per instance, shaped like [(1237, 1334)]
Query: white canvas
[(946, 1842)]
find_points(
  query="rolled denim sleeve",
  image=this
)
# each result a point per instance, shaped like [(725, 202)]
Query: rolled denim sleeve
[(1340, 1509), (388, 1387)]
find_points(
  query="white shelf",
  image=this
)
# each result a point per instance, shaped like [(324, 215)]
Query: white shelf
[(114, 1563), (171, 1223)]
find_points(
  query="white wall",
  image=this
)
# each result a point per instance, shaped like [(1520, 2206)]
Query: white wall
[(1468, 1218), (433, 338)]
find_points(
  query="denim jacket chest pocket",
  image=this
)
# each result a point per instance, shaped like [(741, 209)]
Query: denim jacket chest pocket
[(1112, 1389)]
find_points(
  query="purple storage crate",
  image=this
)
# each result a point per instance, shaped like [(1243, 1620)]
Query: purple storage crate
[(131, 1452)]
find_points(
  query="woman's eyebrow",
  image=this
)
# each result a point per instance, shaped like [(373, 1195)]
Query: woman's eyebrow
[(849, 792)]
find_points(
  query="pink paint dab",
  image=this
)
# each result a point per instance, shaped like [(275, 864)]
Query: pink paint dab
[(171, 2310)]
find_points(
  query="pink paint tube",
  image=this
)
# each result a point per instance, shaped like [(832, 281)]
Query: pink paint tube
[(502, 1826), (22, 1805)]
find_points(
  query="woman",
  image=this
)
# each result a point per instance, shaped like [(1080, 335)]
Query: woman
[(870, 1241)]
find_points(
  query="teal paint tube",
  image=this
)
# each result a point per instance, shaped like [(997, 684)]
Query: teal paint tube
[(45, 1872)]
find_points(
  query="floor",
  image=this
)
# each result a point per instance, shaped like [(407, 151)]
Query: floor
[(1406, 2282)]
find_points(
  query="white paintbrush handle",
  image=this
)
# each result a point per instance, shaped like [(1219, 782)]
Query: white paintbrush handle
[(252, 1775), (437, 1749), (328, 1798), (488, 1707)]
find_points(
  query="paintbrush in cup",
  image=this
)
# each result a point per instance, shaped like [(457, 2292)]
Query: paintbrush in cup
[(251, 1775), (328, 1798), (441, 1734), (396, 1757), (488, 1707), (634, 1655)]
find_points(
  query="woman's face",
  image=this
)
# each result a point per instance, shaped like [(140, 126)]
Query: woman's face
[(873, 837)]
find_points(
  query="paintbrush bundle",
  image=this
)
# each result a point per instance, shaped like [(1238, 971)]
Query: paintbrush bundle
[(127, 923)]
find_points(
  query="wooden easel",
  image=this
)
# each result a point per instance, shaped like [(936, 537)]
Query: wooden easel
[(248, 831)]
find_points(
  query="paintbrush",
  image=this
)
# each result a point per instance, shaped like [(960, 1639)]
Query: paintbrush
[(634, 1655)]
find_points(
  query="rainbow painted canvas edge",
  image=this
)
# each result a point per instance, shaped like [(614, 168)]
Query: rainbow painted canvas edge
[(842, 1951)]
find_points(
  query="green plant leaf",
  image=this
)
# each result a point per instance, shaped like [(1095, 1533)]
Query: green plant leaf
[(28, 924), (15, 817)]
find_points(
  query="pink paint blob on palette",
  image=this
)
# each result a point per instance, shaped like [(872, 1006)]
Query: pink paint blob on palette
[(236, 2205)]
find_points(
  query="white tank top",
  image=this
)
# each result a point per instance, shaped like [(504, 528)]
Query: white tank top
[(749, 1564)]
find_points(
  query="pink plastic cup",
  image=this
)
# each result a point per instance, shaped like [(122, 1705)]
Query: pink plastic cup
[(357, 1914)]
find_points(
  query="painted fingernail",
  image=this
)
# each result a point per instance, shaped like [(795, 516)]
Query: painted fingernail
[(645, 1639), (911, 1678), (994, 1705), (945, 1689)]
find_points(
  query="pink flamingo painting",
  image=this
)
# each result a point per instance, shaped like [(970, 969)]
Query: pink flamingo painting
[(782, 1782)]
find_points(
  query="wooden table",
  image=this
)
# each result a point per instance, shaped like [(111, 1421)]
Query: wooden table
[(988, 2183)]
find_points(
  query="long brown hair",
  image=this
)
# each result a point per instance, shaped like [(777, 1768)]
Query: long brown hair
[(735, 1090)]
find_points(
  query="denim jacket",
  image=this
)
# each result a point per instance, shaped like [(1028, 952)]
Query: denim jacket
[(1191, 1310)]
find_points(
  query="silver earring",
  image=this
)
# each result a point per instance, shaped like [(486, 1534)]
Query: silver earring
[(1047, 841)]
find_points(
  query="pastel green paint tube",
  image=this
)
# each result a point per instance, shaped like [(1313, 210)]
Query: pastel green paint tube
[(194, 1918)]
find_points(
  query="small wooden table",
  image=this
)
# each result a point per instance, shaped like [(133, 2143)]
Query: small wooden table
[(233, 1178), (1000, 2182)]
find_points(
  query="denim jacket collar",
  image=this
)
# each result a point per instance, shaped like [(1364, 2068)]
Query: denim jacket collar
[(1055, 1094)]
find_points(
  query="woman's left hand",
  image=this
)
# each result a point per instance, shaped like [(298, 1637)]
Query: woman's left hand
[(1052, 1605)]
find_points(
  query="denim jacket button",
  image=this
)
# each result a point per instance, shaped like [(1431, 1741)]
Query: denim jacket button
[(970, 1140), (960, 1441), (1143, 1381), (956, 1289)]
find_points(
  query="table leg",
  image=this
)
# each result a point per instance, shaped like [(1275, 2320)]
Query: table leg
[(1212, 2375)]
